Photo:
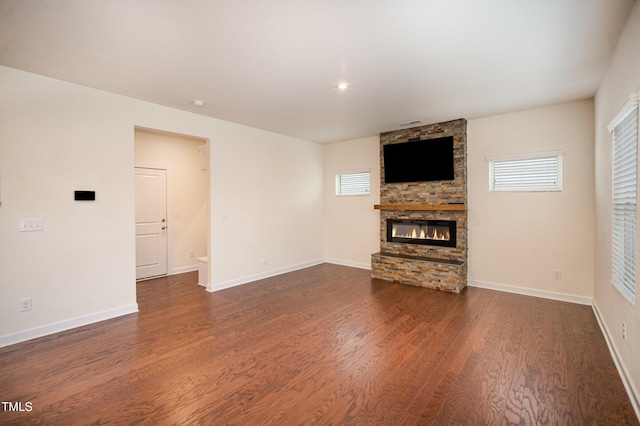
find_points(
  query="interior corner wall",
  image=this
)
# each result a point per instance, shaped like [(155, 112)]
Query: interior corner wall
[(621, 80), (351, 224), (518, 239), (188, 188), (266, 201)]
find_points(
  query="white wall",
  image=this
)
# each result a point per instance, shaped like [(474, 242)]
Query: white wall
[(57, 137), (188, 193), (352, 226), (269, 187), (517, 239), (621, 80)]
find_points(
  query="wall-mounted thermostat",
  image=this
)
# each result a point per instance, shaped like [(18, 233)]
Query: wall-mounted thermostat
[(85, 195)]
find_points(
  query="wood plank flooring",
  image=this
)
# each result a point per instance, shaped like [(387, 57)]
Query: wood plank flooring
[(325, 345)]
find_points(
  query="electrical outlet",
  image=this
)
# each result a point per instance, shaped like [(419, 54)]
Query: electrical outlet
[(624, 331), (25, 304), (263, 260), (191, 253), (557, 274)]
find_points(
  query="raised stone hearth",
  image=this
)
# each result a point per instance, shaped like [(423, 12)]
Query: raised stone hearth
[(442, 274), (433, 266)]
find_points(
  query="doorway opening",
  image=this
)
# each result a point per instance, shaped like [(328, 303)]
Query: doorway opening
[(182, 218)]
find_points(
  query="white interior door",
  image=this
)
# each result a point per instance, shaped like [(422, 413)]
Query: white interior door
[(151, 222)]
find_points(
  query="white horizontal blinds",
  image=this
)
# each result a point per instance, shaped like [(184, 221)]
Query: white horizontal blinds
[(529, 173), (353, 183), (625, 172)]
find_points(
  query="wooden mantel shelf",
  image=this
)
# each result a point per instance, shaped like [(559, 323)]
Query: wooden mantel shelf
[(422, 207)]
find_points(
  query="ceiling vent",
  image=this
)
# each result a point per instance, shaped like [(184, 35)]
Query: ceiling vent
[(411, 123)]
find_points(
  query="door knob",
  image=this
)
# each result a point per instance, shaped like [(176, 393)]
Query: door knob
[(164, 227), (164, 220)]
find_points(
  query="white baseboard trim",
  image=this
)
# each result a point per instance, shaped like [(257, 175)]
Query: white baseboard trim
[(545, 294), (182, 270), (244, 280), (33, 333), (349, 263), (629, 386)]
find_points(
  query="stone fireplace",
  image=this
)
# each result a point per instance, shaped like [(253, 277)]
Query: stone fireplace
[(423, 225)]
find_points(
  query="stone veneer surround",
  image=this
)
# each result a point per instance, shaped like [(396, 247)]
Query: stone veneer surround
[(443, 268)]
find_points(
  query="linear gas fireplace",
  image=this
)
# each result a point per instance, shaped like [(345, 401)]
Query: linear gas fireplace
[(425, 232)]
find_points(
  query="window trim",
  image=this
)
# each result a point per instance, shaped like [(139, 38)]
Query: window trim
[(629, 294), (338, 179), (523, 157)]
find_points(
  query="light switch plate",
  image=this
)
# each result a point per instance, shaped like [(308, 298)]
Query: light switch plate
[(30, 225)]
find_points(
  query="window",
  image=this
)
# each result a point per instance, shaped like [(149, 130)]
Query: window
[(527, 172), (625, 173), (353, 183)]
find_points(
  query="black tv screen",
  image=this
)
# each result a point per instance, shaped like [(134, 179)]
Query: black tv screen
[(419, 161)]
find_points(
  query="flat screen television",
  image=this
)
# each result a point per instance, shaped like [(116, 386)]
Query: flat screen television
[(419, 161)]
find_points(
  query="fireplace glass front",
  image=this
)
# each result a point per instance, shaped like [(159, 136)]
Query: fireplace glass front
[(425, 232)]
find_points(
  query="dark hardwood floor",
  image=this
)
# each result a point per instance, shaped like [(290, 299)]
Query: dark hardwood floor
[(324, 345)]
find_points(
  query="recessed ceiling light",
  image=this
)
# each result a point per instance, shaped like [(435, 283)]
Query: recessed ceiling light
[(342, 85), (198, 103)]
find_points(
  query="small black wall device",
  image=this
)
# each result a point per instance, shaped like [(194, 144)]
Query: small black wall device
[(85, 195)]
